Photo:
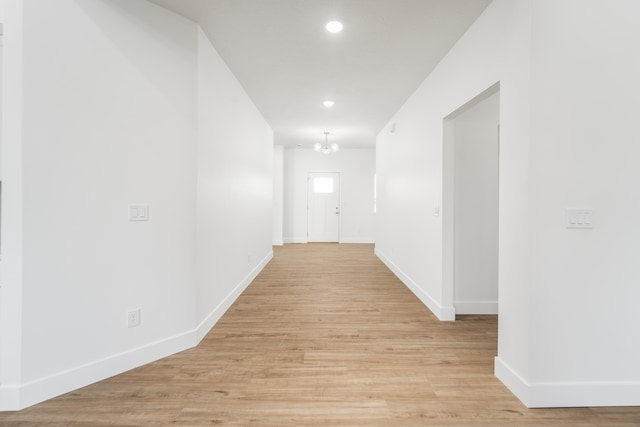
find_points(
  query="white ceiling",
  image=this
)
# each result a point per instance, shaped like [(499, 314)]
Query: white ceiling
[(289, 64)]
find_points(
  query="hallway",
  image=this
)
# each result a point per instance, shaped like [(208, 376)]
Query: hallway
[(326, 335)]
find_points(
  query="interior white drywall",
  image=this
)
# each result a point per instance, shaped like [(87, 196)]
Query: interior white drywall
[(409, 237), (108, 121), (11, 271), (476, 208), (137, 108), (235, 187), (357, 171), (278, 195), (1, 48), (567, 95), (585, 103)]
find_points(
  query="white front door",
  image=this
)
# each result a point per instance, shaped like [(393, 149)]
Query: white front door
[(323, 210)]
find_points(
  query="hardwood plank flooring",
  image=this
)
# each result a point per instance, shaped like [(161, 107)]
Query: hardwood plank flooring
[(326, 335)]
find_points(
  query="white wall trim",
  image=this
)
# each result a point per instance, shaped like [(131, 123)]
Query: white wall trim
[(277, 242), (15, 398), (9, 398), (568, 394), (209, 322), (295, 240), (476, 307), (511, 379), (442, 313), (368, 240)]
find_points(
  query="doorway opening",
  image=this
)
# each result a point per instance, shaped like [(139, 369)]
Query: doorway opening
[(470, 205), (323, 207)]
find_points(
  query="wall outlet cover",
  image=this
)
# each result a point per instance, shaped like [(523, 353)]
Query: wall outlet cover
[(133, 318)]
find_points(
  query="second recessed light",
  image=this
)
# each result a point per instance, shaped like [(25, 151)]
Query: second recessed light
[(334, 26), (328, 104)]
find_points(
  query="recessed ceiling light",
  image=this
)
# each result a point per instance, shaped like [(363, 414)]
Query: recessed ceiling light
[(334, 26), (328, 103)]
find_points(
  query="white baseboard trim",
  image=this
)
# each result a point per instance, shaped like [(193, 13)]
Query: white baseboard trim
[(15, 398), (476, 307), (442, 313), (209, 322), (10, 398), (295, 240), (568, 394), (298, 240), (277, 242), (367, 240), (510, 378)]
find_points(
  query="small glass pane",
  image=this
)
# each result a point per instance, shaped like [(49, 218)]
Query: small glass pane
[(323, 185)]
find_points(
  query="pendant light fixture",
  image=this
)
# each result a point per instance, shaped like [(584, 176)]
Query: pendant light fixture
[(326, 148)]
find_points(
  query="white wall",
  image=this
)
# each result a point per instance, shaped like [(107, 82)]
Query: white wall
[(235, 188), (108, 121), (1, 97), (584, 149), (357, 170), (409, 161), (278, 195), (476, 208), (11, 272), (567, 95)]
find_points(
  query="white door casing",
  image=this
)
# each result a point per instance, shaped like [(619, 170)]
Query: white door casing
[(323, 207)]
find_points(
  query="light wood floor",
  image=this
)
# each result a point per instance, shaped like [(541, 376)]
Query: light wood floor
[(325, 336)]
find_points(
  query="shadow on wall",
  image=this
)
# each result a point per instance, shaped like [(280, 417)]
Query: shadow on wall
[(179, 42)]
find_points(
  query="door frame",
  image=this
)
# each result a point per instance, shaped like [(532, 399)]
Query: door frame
[(309, 173), (448, 202)]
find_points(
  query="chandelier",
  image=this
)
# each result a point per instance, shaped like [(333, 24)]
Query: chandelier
[(326, 148)]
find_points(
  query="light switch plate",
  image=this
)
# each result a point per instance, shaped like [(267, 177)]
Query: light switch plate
[(579, 218), (138, 212)]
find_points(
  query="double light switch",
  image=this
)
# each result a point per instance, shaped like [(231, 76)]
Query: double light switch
[(138, 212)]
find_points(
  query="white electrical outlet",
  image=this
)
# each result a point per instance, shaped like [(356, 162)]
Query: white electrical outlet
[(133, 318)]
